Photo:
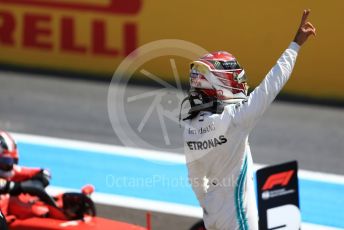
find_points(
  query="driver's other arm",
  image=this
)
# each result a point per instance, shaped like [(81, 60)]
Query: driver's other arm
[(25, 173), (40, 181)]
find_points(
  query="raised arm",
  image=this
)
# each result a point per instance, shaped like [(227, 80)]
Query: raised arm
[(248, 112)]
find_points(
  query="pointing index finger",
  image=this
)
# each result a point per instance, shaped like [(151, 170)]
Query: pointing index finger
[(305, 16)]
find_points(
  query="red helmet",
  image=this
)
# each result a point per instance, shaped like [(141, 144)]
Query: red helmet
[(219, 75), (8, 151)]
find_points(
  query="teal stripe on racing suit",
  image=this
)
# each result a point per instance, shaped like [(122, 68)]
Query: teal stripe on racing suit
[(239, 193)]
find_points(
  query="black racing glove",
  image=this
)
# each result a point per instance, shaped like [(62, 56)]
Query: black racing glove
[(43, 176)]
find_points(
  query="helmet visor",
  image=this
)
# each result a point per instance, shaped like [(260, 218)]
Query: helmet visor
[(230, 77), (235, 80), (6, 163)]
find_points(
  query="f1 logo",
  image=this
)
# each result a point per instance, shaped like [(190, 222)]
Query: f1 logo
[(281, 178)]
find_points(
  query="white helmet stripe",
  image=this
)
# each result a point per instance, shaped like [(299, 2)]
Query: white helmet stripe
[(241, 74), (8, 140)]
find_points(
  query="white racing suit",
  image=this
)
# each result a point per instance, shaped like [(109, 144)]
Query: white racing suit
[(218, 154)]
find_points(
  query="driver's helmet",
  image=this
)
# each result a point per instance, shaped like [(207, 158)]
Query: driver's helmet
[(8, 153), (219, 75)]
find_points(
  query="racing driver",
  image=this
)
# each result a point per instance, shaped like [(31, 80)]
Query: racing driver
[(216, 132), (15, 179)]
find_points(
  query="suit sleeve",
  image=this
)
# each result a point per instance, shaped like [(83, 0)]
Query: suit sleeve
[(248, 112)]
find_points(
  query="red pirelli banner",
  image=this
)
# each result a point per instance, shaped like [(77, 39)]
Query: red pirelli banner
[(73, 35), (94, 36)]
